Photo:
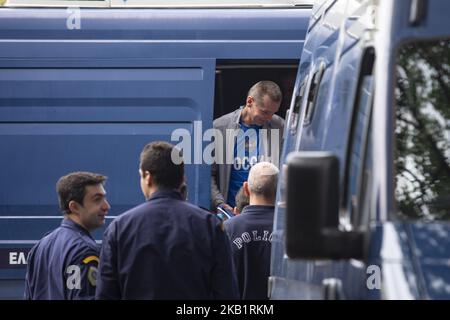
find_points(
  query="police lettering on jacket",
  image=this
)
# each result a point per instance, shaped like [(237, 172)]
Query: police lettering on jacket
[(254, 235)]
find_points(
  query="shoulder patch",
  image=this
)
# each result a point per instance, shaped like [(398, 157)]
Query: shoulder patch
[(92, 276), (90, 259)]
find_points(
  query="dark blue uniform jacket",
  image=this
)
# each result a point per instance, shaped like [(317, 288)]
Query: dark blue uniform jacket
[(63, 265), (166, 248), (251, 236)]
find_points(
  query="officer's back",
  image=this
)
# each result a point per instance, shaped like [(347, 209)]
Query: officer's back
[(165, 248), (251, 232)]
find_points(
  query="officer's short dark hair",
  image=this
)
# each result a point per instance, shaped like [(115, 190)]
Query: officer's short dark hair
[(156, 158), (73, 187)]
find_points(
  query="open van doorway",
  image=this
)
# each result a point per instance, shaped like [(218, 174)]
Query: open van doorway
[(233, 80)]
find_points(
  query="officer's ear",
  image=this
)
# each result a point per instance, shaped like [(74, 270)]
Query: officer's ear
[(74, 206), (246, 189), (148, 178)]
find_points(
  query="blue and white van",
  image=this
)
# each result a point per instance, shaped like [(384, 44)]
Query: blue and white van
[(363, 204)]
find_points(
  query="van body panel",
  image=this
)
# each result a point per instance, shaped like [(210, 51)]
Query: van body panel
[(90, 96), (153, 33)]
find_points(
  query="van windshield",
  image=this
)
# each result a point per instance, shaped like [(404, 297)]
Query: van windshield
[(422, 131)]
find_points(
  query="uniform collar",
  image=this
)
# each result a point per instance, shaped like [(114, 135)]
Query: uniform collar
[(68, 223), (258, 209), (173, 194)]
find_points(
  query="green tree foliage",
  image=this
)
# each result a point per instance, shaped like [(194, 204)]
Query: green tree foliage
[(423, 130)]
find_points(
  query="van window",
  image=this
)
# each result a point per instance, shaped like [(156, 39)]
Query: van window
[(295, 110), (422, 131), (358, 148), (313, 93), (359, 159)]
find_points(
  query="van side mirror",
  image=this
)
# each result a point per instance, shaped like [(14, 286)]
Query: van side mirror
[(312, 210)]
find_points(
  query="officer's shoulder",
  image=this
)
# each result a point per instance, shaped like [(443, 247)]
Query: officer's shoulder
[(86, 258), (197, 209), (239, 221), (129, 214), (52, 236), (201, 212), (49, 235), (234, 220), (88, 244), (82, 242), (87, 250)]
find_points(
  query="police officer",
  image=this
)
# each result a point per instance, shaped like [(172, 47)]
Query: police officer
[(165, 248), (63, 265), (251, 232)]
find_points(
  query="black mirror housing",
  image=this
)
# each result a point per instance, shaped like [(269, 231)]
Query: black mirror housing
[(312, 210)]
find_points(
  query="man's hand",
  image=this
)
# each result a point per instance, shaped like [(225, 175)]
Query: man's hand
[(227, 207), (223, 212)]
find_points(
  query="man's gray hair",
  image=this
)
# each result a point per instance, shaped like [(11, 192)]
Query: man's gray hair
[(262, 88), (262, 180)]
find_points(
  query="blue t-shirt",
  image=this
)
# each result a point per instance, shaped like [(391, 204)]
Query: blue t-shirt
[(246, 154)]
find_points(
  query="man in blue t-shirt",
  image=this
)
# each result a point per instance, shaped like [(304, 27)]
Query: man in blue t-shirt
[(247, 150), (257, 133)]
